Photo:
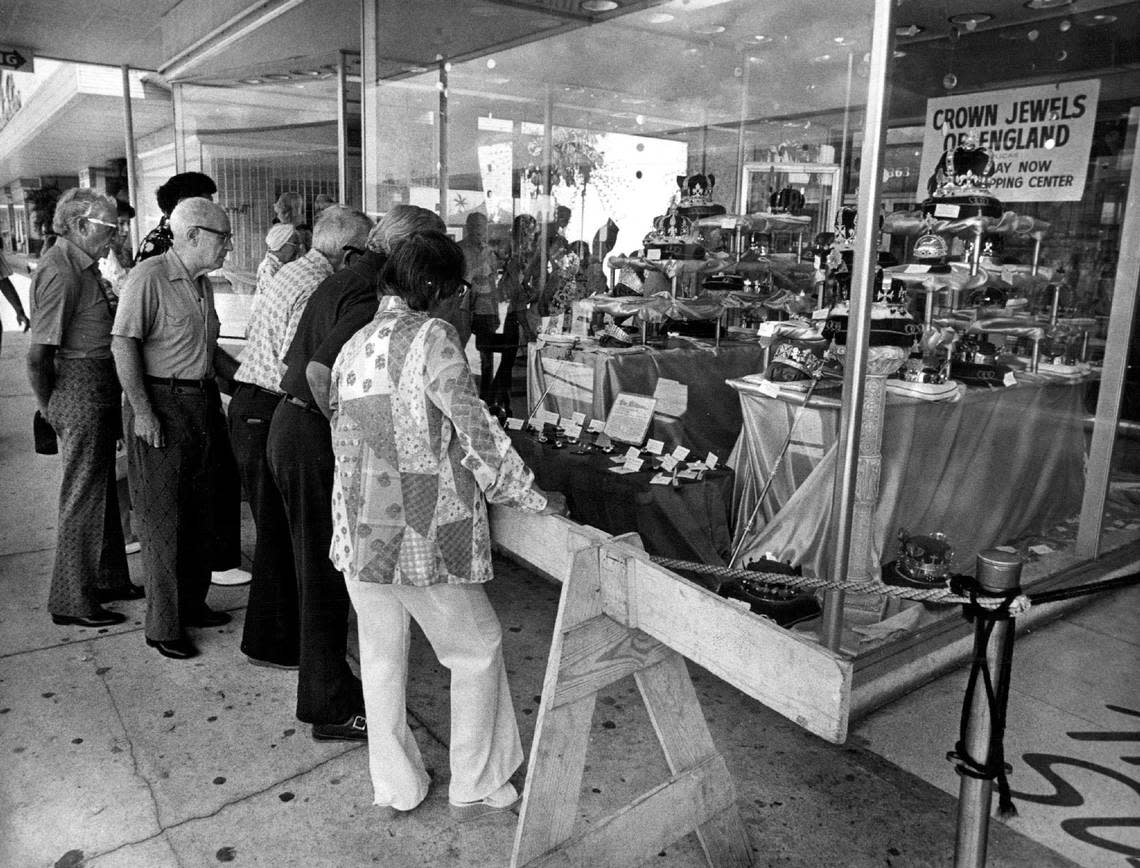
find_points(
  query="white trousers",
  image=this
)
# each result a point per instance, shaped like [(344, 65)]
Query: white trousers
[(465, 634)]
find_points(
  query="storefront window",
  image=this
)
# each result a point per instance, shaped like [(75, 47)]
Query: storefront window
[(711, 153)]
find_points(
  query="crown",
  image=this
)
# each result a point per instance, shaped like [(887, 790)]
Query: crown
[(965, 169), (800, 359), (931, 247)]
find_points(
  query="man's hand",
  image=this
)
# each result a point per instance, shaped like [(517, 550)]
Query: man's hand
[(555, 504), (149, 429), (22, 320)]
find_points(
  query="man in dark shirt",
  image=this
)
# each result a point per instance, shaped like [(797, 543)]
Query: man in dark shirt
[(300, 456)]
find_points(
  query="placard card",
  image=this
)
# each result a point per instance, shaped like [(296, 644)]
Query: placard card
[(514, 424), (623, 469), (572, 430), (578, 419), (668, 463), (687, 473), (629, 418), (596, 425), (546, 417), (711, 461), (1009, 379), (654, 447), (631, 453), (660, 479), (633, 465), (680, 453)]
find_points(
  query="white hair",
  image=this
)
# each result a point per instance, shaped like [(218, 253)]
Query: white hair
[(193, 212), (337, 226), (80, 202)]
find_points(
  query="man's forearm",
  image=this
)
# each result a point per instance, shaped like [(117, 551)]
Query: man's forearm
[(41, 373), (13, 297), (320, 380), (129, 365)]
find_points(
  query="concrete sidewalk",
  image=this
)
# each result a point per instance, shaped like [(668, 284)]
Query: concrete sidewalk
[(116, 756)]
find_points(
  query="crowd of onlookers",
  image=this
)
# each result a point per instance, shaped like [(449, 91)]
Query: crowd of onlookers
[(365, 450)]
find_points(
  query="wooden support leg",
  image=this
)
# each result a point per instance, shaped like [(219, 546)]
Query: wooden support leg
[(590, 651)]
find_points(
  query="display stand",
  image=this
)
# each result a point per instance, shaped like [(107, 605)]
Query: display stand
[(620, 614)]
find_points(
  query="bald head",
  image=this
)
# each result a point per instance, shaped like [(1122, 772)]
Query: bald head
[(201, 233)]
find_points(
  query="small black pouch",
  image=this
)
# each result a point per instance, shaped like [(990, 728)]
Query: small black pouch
[(44, 435)]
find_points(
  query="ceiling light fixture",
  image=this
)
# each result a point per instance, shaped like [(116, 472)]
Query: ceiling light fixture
[(598, 5), (970, 20), (709, 29), (660, 18), (250, 80), (908, 30), (760, 37), (1047, 4), (277, 76)]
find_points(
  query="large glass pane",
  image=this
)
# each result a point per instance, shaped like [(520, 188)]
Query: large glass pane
[(684, 175)]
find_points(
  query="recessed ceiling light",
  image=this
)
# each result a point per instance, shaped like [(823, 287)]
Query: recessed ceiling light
[(1047, 4), (1101, 19), (598, 5), (709, 29), (250, 80), (660, 18), (821, 58), (907, 30), (277, 76), (760, 37), (305, 73), (970, 20)]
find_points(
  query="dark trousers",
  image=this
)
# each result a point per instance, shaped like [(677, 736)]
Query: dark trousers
[(172, 495), (301, 460), (84, 410), (225, 509), (495, 385), (271, 630)]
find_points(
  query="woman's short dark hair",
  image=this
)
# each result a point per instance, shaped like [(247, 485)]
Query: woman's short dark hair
[(187, 185), (422, 268)]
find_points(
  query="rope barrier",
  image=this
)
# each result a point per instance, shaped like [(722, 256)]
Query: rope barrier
[(960, 591)]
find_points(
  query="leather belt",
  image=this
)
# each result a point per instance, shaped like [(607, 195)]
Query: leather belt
[(269, 393), (174, 382), (305, 405)]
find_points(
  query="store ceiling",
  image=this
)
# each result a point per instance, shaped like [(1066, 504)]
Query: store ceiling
[(689, 56)]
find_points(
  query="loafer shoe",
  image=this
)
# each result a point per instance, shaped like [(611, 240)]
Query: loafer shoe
[(101, 618), (175, 649), (270, 664), (130, 592), (503, 799), (209, 618), (353, 729)]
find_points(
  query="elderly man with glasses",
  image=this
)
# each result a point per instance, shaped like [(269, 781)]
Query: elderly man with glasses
[(165, 342), (73, 377)]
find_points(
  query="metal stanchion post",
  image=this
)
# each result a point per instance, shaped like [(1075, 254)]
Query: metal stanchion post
[(998, 573)]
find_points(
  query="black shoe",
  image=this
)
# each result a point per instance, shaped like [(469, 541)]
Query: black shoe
[(175, 649), (270, 664), (101, 618), (353, 729), (209, 618), (130, 592)]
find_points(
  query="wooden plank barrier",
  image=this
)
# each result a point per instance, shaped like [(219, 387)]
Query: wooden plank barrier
[(620, 614)]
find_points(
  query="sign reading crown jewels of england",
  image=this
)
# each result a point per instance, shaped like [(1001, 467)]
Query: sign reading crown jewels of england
[(1039, 138)]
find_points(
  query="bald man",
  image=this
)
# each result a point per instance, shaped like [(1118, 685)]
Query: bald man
[(164, 342)]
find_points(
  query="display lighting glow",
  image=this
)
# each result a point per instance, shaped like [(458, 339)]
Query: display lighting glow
[(491, 63), (660, 18), (908, 30), (709, 29), (598, 5), (1047, 4), (760, 37), (970, 20)]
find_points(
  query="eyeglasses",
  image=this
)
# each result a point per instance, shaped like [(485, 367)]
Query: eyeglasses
[(114, 226), (349, 248), (225, 236)]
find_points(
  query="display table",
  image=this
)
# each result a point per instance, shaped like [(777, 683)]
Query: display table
[(690, 522), (695, 407), (995, 465)]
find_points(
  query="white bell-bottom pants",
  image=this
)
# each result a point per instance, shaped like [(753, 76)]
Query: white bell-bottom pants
[(466, 636)]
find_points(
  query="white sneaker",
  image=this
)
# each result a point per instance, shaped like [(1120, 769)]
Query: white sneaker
[(231, 577), (503, 799)]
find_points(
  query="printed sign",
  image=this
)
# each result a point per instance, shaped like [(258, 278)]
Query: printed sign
[(1039, 138)]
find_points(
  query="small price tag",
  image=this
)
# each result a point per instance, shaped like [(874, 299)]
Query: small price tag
[(668, 463), (661, 479), (654, 447), (631, 453), (596, 425), (572, 430), (687, 473), (579, 419), (767, 387), (514, 424), (1009, 379), (681, 452), (711, 461), (623, 469), (916, 269), (947, 210), (632, 465)]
